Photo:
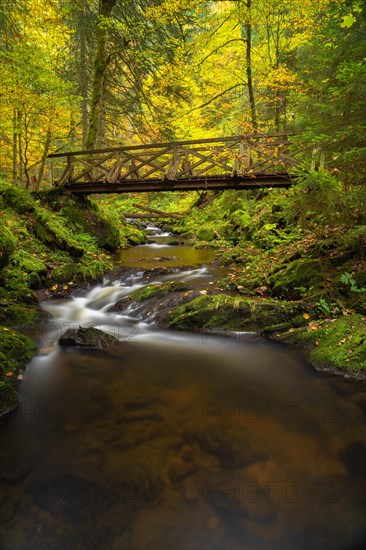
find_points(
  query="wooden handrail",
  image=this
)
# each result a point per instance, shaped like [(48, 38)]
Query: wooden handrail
[(172, 144)]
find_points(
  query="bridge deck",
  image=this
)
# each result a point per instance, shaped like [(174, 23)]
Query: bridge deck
[(239, 162), (144, 186)]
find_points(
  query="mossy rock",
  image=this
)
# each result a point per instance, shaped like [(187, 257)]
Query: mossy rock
[(52, 231), (133, 235), (17, 350), (29, 262), (150, 291), (338, 345), (16, 313), (8, 398), (19, 199), (298, 275), (7, 245), (223, 312), (15, 279), (86, 220)]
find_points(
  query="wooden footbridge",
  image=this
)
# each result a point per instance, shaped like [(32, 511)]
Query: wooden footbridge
[(240, 162)]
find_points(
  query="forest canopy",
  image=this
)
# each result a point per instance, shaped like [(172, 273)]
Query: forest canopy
[(85, 74)]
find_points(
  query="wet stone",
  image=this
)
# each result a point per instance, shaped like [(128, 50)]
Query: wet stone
[(179, 470), (90, 338), (232, 452)]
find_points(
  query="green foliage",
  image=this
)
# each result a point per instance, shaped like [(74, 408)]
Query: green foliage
[(19, 199), (354, 240), (348, 280), (7, 244), (53, 231), (331, 103), (17, 351), (327, 309)]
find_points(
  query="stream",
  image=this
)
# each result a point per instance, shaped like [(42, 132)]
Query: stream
[(181, 440)]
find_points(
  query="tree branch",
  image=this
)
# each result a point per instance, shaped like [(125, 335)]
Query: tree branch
[(210, 100), (219, 47)]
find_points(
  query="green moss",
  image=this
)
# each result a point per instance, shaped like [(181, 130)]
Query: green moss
[(7, 244), (133, 235), (15, 313), (53, 231), (298, 274), (17, 350), (222, 312), (8, 398), (29, 262), (151, 291), (19, 199), (337, 344), (205, 234)]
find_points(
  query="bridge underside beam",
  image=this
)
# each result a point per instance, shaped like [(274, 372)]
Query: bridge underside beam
[(212, 182)]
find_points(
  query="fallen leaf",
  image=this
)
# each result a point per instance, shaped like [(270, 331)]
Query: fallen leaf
[(306, 316)]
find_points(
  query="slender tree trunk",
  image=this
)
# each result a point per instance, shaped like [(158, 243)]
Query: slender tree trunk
[(83, 72), (72, 133), (277, 109), (25, 151), (248, 28), (44, 158), (20, 147), (97, 108), (15, 145)]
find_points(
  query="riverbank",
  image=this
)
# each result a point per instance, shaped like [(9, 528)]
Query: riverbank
[(333, 345), (297, 269), (286, 283), (49, 241)]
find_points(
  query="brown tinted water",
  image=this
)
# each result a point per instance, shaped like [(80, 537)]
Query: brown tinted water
[(181, 441)]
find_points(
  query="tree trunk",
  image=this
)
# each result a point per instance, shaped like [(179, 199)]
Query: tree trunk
[(83, 73), (248, 29), (24, 151), (20, 148), (277, 109), (15, 145), (44, 158), (97, 108)]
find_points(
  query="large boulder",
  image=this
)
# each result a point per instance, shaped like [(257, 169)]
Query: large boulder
[(90, 338)]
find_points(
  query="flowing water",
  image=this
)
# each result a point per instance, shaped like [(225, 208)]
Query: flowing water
[(180, 440)]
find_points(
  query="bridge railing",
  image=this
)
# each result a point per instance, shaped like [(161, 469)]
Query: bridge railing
[(238, 156)]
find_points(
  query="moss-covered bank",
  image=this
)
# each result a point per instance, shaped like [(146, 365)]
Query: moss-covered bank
[(223, 312), (306, 244), (48, 240), (336, 345), (162, 289)]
